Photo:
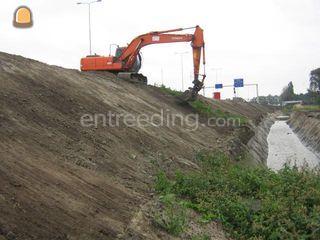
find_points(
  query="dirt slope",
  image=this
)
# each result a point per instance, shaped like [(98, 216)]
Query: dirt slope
[(60, 180)]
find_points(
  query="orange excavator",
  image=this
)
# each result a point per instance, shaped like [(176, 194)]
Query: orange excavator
[(127, 61)]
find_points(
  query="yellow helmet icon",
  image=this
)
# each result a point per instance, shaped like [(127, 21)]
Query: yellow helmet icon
[(23, 17)]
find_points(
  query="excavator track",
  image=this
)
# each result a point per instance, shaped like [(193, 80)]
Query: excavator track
[(133, 77)]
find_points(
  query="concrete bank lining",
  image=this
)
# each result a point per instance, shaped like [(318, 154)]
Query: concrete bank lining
[(307, 127), (258, 144), (285, 147)]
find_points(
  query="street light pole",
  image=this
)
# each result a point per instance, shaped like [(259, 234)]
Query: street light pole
[(89, 8), (90, 37), (217, 71), (162, 83), (182, 70)]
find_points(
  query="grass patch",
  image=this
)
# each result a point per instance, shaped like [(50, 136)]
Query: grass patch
[(201, 237), (202, 108), (306, 107), (287, 109), (251, 203), (172, 217), (207, 110), (170, 91)]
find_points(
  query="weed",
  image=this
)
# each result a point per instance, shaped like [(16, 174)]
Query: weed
[(202, 108), (251, 203), (173, 215), (163, 185), (207, 111), (201, 237), (306, 107), (170, 91)]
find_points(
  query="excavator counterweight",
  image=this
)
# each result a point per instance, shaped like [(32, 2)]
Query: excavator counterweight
[(127, 61)]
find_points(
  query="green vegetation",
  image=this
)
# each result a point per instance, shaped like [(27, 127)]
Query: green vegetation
[(287, 109), (173, 216), (170, 91), (288, 93), (207, 110), (306, 107), (202, 108), (315, 81), (291, 108), (311, 97), (251, 203), (201, 237)]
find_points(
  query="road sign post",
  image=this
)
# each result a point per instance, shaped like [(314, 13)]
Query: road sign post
[(238, 83), (217, 95), (218, 86)]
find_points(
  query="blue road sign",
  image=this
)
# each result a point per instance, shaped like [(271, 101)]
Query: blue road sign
[(218, 86), (238, 83)]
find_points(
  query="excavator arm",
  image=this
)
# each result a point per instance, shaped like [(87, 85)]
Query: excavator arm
[(129, 55)]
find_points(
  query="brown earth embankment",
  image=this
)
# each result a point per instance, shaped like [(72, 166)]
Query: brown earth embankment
[(62, 180)]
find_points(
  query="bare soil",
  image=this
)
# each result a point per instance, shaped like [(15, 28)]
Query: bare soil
[(60, 180)]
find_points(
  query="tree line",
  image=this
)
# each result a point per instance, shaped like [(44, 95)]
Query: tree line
[(311, 97)]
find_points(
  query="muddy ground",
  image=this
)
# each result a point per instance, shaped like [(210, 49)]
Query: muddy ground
[(60, 180)]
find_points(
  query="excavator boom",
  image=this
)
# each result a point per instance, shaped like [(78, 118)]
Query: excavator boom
[(127, 61)]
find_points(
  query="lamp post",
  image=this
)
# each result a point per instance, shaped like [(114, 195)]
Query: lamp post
[(89, 8), (162, 83), (217, 72), (182, 71), (217, 69)]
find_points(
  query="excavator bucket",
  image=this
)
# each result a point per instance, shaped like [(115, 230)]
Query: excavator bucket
[(188, 96), (192, 93)]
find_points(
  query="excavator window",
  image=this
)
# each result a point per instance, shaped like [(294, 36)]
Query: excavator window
[(119, 52)]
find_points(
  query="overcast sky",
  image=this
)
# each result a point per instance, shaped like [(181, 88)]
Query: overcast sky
[(269, 42)]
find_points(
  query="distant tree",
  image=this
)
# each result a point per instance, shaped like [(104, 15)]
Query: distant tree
[(315, 81), (314, 88), (307, 98), (288, 93), (267, 100)]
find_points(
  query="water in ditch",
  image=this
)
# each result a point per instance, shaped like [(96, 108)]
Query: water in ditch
[(286, 147)]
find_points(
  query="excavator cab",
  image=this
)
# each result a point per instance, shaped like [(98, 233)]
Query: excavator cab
[(132, 73), (137, 64)]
